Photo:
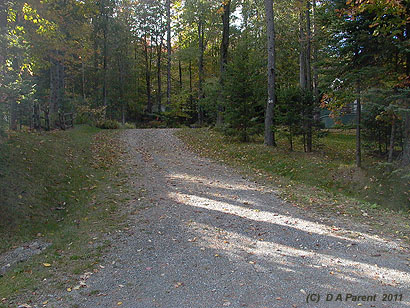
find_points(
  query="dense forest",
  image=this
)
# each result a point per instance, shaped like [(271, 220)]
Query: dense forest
[(204, 153), (247, 67)]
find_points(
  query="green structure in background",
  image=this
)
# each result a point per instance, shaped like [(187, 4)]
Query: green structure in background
[(346, 117)]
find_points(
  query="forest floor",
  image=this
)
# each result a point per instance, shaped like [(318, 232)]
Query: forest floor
[(198, 233)]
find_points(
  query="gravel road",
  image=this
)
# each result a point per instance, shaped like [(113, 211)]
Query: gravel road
[(207, 237)]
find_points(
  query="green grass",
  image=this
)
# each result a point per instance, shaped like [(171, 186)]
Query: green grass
[(60, 187), (326, 178)]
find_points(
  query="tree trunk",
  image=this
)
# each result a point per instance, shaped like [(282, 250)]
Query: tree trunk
[(305, 70), (13, 103), (36, 116), (61, 84), (105, 70), (405, 160), (159, 79), (308, 48), (200, 70), (169, 52), (83, 78), (291, 138), (392, 140), (309, 115), (358, 128), (224, 57), (191, 97), (121, 88), (147, 75), (302, 52), (314, 67), (180, 73), (407, 39), (13, 114), (56, 88), (269, 134), (96, 78)]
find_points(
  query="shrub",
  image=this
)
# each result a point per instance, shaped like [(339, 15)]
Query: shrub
[(108, 124), (87, 115), (128, 125)]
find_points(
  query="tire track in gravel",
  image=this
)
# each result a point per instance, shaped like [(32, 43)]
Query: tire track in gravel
[(210, 238)]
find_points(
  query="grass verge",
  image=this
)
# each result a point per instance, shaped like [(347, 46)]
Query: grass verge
[(64, 188), (325, 180)]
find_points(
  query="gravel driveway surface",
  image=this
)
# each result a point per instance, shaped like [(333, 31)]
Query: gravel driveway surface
[(210, 238)]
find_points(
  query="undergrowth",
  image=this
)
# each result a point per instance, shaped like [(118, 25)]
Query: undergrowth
[(60, 187)]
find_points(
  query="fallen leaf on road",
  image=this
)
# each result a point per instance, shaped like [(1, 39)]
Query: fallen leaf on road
[(47, 264)]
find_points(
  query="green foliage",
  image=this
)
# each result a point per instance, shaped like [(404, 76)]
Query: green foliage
[(108, 124), (241, 92), (179, 111), (88, 115), (289, 111), (212, 91), (128, 126)]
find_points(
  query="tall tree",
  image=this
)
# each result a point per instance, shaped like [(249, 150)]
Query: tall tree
[(305, 71), (226, 9), (269, 133), (169, 50), (201, 49)]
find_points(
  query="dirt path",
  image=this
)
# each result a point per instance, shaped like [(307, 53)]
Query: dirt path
[(209, 238)]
